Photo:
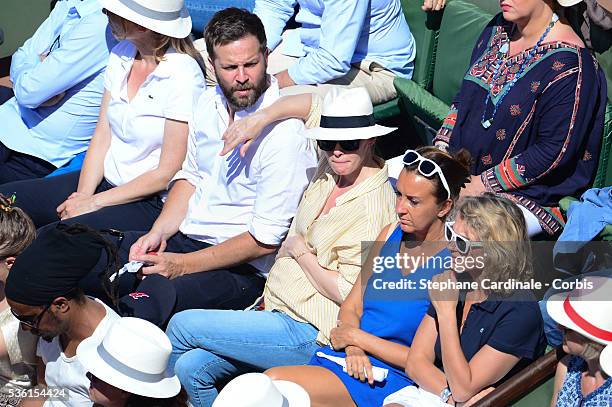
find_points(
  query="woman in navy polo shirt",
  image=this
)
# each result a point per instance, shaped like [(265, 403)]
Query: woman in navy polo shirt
[(473, 339)]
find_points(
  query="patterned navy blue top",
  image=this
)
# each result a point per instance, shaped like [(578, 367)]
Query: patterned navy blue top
[(570, 394), (545, 138)]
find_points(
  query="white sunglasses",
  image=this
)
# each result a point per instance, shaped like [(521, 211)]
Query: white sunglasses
[(464, 245), (426, 167)]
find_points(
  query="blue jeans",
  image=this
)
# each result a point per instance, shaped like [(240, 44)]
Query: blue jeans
[(201, 11), (210, 347)]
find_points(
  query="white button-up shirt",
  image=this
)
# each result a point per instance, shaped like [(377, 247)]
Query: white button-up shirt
[(259, 193), (137, 126)]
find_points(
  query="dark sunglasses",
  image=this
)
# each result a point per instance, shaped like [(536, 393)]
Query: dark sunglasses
[(463, 243), (345, 145), (31, 321)]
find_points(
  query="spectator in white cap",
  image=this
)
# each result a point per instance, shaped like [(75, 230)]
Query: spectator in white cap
[(258, 390), (129, 365), (584, 316), (152, 79)]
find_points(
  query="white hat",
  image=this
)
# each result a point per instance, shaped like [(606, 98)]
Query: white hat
[(586, 311), (568, 3), (258, 390), (132, 356), (605, 360), (347, 114), (167, 17)]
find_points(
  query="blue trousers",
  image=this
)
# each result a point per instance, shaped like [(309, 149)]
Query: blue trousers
[(15, 166), (209, 347), (40, 197)]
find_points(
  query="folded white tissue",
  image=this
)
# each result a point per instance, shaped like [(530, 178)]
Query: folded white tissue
[(380, 374)]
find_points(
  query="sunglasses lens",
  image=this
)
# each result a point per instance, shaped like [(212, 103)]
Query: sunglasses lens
[(349, 145), (427, 167), (411, 157), (462, 245), (326, 145)]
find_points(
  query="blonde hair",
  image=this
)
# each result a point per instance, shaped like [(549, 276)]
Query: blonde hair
[(500, 225), (17, 230)]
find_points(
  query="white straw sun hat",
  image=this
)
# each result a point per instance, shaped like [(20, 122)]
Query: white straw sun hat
[(605, 360), (586, 311), (258, 390), (568, 3), (347, 114), (132, 356), (167, 17)]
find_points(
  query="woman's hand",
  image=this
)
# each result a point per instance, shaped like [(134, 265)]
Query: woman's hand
[(343, 335), (433, 5), (444, 300), (473, 188), (358, 365), (77, 204), (245, 131), (293, 246)]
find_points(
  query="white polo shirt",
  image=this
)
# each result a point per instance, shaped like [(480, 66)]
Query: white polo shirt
[(259, 193), (137, 126)]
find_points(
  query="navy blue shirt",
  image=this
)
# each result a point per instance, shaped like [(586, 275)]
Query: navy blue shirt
[(509, 326)]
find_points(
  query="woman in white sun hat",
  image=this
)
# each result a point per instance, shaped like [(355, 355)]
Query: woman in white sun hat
[(605, 360), (348, 202), (129, 366), (584, 316), (140, 141), (258, 390)]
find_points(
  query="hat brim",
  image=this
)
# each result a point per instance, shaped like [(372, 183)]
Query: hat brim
[(605, 360), (295, 394), (568, 3), (179, 28), (167, 386), (554, 307), (356, 133)]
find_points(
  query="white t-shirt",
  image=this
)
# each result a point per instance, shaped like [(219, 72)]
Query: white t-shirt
[(67, 373), (137, 126)]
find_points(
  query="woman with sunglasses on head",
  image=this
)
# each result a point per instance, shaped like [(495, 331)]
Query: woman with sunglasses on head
[(348, 202), (140, 141), (17, 347), (473, 339), (375, 324), (530, 111)]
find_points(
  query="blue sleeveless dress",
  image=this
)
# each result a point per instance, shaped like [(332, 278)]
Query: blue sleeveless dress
[(392, 314), (570, 394)]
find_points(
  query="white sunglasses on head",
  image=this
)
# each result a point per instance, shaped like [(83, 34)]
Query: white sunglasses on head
[(426, 167)]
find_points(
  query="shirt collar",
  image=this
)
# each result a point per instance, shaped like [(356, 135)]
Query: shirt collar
[(85, 7), (369, 184), (162, 70)]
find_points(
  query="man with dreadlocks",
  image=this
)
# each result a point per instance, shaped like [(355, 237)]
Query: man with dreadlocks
[(42, 291)]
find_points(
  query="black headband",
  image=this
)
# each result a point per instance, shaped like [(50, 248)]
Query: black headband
[(347, 122), (52, 265)]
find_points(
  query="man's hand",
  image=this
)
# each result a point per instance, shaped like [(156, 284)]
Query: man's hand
[(151, 242), (77, 204), (284, 80), (169, 265)]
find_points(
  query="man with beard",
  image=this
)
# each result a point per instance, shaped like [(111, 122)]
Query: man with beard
[(224, 218), (42, 292)]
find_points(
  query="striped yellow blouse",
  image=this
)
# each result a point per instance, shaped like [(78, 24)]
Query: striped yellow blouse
[(336, 237)]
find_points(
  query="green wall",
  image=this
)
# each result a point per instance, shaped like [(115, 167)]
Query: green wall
[(19, 19)]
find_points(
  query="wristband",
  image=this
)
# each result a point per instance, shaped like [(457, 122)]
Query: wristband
[(300, 255)]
